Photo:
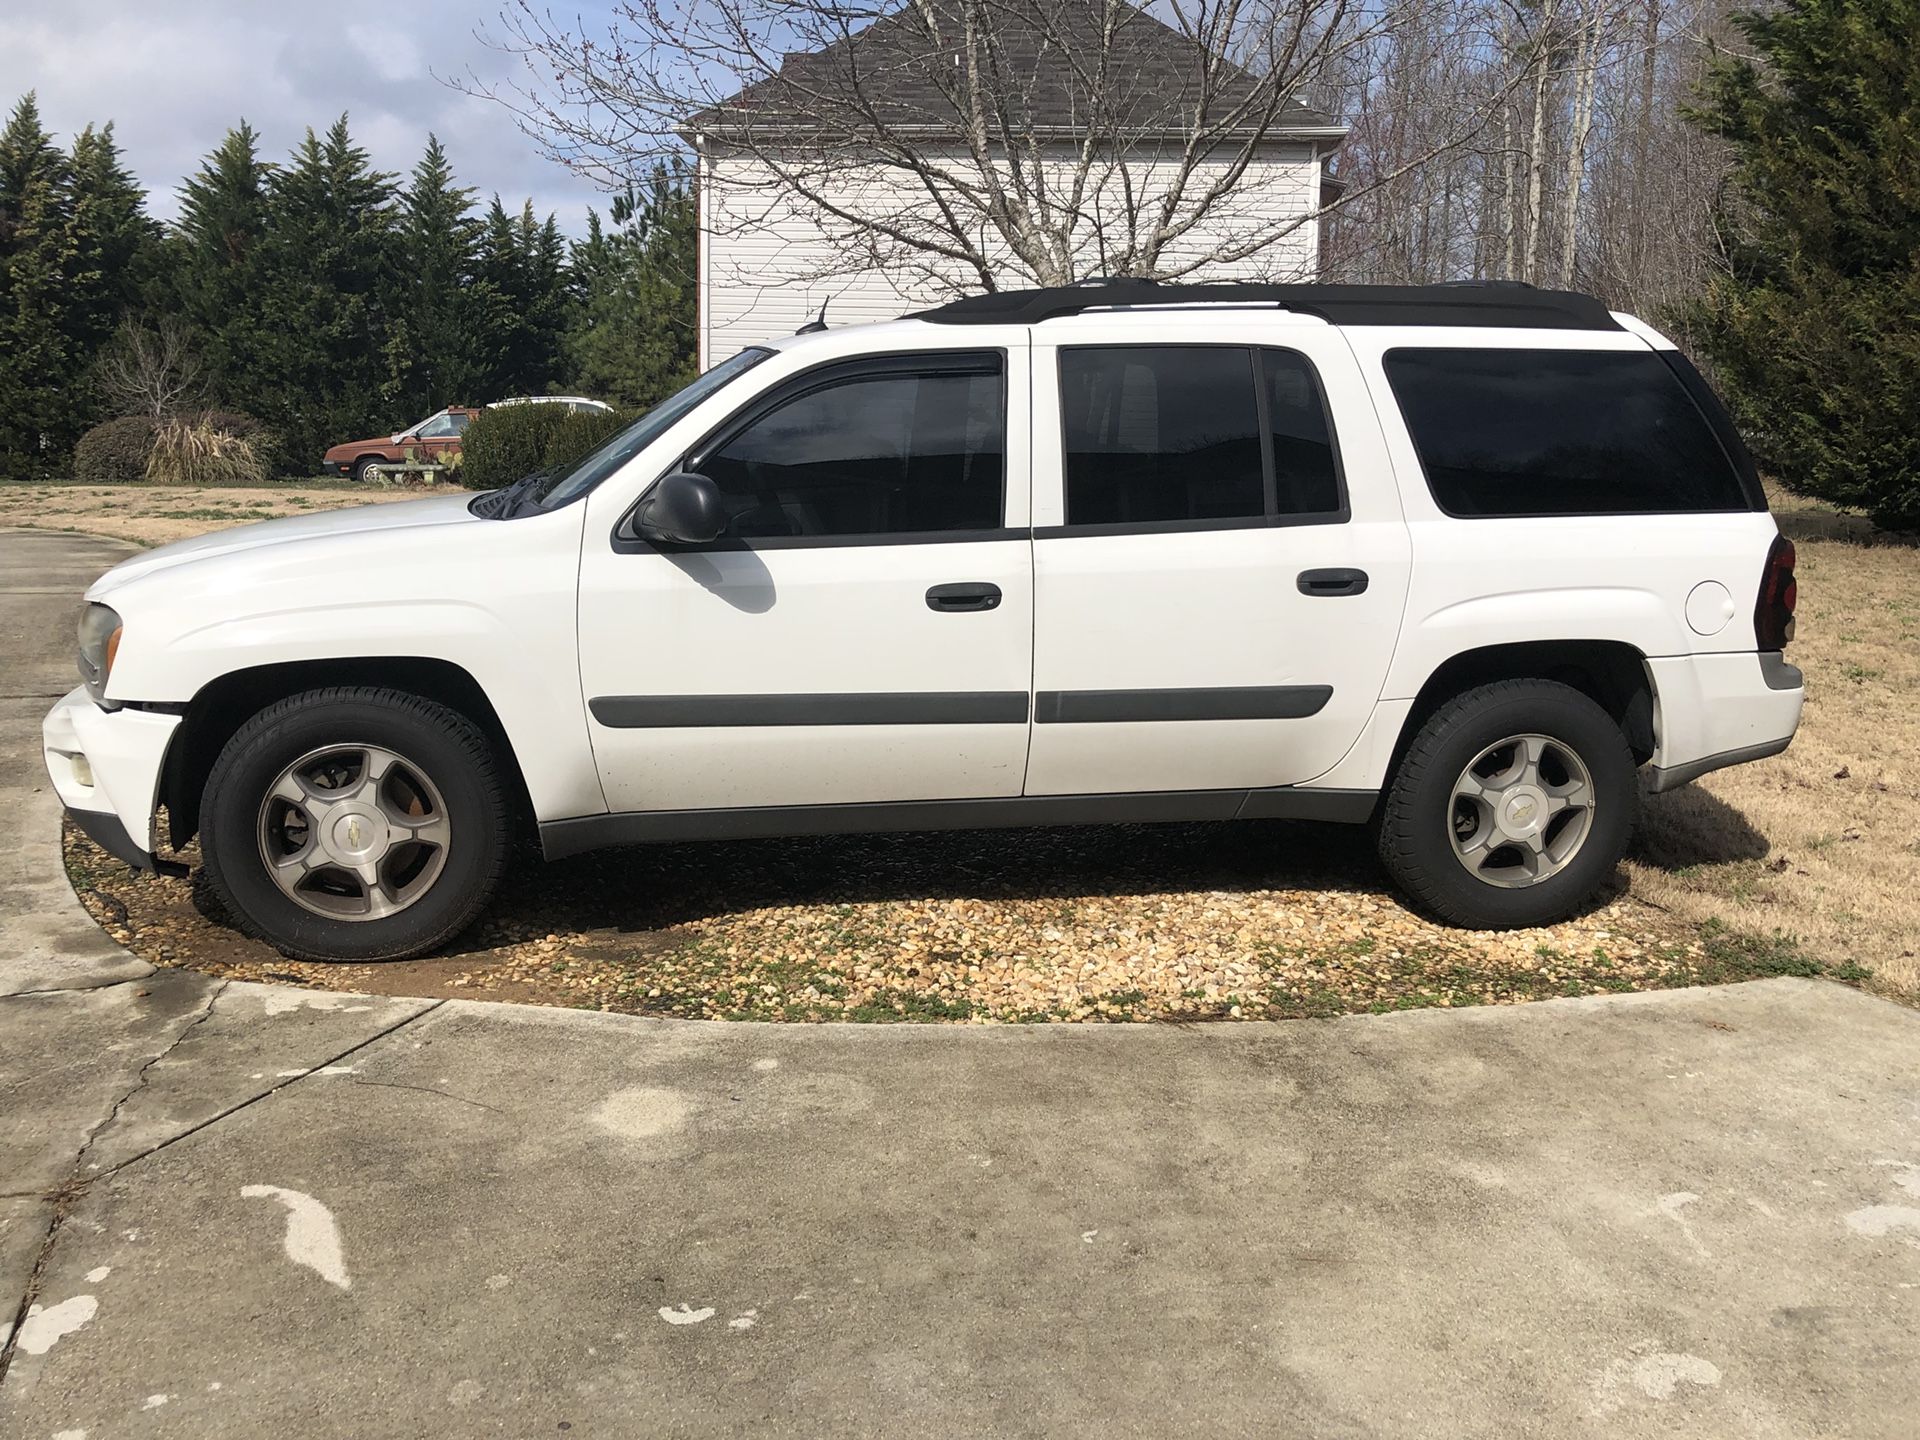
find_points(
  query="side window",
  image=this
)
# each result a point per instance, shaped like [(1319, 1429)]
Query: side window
[(435, 428), (1160, 433), (893, 452), (460, 423), (1305, 468), (1559, 432)]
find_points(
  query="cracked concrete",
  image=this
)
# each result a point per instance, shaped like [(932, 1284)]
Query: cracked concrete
[(46, 939), (232, 1210)]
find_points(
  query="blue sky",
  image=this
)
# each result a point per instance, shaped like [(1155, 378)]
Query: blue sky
[(175, 75)]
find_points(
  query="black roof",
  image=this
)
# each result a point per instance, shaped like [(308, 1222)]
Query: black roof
[(908, 79), (1473, 303)]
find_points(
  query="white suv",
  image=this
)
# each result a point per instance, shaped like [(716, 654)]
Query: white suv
[(1452, 560)]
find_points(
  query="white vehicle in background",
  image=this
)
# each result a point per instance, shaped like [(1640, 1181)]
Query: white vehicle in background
[(1455, 561), (574, 403)]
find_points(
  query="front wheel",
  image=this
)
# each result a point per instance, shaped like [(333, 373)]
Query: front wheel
[(355, 824), (364, 468), (1513, 804)]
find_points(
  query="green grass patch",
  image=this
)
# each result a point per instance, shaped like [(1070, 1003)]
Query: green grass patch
[(1733, 954)]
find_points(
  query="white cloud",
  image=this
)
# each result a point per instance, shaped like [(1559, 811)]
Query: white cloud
[(175, 75)]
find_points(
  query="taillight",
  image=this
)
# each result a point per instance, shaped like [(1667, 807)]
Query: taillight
[(1773, 611)]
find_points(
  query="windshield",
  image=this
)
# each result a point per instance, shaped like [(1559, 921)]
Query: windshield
[(549, 491)]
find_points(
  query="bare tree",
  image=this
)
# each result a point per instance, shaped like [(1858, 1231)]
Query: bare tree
[(1588, 176), (151, 371), (966, 142)]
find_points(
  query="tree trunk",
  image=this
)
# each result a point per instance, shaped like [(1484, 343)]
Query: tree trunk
[(1584, 76), (1510, 169), (1536, 148), (1640, 195)]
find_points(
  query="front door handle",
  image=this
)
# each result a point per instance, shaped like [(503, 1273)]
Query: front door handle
[(964, 595), (1333, 582)]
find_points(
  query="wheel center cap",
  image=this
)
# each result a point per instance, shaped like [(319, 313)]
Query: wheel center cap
[(1523, 810), (356, 835)]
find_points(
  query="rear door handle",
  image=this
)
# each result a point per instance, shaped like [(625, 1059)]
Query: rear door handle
[(1333, 582), (963, 595)]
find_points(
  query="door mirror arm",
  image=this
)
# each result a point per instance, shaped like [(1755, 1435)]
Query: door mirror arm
[(680, 509)]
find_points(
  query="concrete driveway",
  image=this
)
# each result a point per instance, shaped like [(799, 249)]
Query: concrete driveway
[(239, 1210)]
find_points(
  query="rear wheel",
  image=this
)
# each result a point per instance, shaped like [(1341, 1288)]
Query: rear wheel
[(1512, 805), (355, 824)]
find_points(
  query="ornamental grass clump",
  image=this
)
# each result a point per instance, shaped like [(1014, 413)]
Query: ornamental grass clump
[(203, 452)]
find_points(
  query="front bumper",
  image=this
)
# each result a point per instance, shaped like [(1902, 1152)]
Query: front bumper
[(105, 766), (1721, 710)]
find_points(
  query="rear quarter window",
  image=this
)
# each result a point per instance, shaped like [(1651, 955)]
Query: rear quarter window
[(1504, 433)]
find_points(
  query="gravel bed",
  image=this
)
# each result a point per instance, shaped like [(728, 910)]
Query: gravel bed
[(1250, 921)]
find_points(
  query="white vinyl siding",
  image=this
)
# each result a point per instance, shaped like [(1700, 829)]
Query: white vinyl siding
[(769, 260)]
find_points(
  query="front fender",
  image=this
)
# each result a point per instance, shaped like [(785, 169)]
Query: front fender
[(495, 599)]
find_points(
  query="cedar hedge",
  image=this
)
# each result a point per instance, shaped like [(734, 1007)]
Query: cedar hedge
[(579, 435), (503, 445)]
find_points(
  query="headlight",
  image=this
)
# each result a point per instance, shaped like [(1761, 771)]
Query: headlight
[(99, 642)]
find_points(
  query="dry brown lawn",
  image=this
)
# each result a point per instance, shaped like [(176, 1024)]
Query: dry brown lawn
[(157, 514), (1823, 842)]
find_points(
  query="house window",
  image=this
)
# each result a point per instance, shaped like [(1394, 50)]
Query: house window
[(899, 451)]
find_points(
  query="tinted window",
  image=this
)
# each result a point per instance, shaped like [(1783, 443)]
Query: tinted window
[(1715, 410), (1559, 432), (1157, 433), (872, 454), (1306, 477)]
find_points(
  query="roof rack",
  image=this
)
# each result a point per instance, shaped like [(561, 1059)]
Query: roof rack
[(1480, 303)]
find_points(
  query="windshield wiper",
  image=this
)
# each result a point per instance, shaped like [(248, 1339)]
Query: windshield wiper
[(505, 503)]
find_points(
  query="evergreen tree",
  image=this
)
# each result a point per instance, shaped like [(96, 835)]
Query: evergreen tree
[(216, 265), (1815, 327), (523, 272), (437, 351), (326, 273), (113, 248), (634, 340), (37, 357)]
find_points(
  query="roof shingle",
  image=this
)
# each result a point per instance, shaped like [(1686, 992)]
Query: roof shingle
[(1046, 55)]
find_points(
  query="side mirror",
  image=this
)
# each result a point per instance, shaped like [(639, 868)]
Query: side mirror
[(681, 509)]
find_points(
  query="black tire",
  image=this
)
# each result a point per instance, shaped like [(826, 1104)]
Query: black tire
[(1414, 824), (444, 744), (363, 468)]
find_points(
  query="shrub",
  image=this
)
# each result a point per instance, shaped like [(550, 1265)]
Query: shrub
[(579, 435), (265, 443), (115, 452), (503, 445), (198, 452)]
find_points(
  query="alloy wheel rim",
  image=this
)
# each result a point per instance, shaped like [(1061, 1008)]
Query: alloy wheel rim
[(354, 832), (1521, 811)]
